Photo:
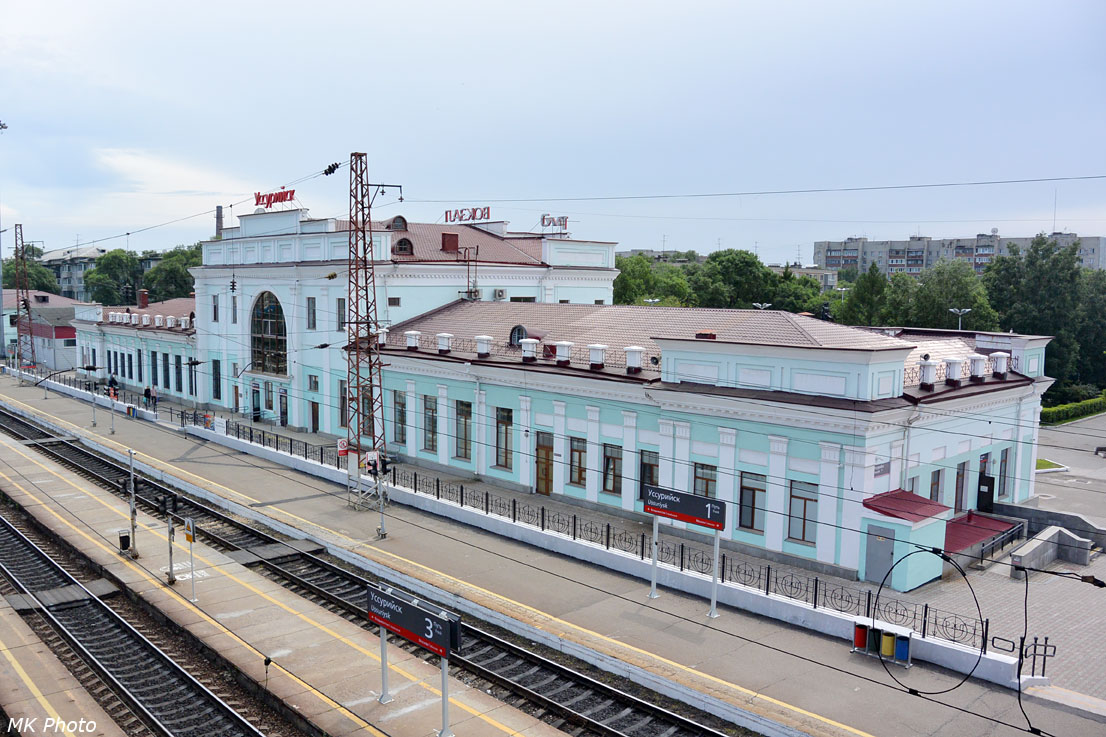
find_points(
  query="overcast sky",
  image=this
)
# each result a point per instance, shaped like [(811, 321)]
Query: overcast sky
[(123, 115)]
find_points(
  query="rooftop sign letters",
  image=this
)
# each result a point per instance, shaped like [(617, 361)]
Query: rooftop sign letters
[(269, 199), (696, 510), (468, 214), (549, 221)]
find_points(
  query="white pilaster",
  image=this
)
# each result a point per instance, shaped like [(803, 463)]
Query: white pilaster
[(412, 419), (595, 455), (523, 444), (445, 442), (560, 448), (826, 539), (859, 475), (727, 477), (681, 469), (775, 502), (667, 453), (479, 433), (898, 466), (631, 465)]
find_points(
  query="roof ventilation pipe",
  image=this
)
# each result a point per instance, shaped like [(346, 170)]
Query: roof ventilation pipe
[(633, 358), (445, 343), (929, 374), (529, 349), (159, 321), (145, 320), (977, 364), (183, 322), (954, 369), (564, 352), (382, 337), (412, 339), (134, 319), (483, 346), (1001, 361), (597, 351)]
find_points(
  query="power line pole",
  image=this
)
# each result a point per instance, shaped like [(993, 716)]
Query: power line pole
[(26, 352)]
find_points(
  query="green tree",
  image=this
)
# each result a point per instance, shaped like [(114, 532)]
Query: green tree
[(670, 283), (115, 278), (1038, 293), (39, 277), (865, 303), (731, 279), (1091, 326), (170, 278), (848, 274), (795, 294), (635, 279), (898, 300), (951, 284)]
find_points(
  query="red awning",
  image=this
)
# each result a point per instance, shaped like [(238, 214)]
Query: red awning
[(904, 505), (971, 528)]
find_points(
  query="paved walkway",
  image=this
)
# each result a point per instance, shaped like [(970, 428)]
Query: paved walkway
[(737, 655)]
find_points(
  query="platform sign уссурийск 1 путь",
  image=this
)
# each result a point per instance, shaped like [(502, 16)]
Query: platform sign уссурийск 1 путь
[(691, 508)]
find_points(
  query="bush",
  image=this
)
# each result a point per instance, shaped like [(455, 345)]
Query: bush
[(1069, 394), (1051, 415)]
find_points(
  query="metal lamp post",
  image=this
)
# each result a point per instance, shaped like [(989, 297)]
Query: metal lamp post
[(762, 305), (651, 301), (960, 312)]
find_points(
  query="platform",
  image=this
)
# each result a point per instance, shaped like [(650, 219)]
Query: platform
[(784, 673), (35, 685)]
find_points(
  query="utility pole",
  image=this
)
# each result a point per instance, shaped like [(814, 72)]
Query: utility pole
[(26, 344)]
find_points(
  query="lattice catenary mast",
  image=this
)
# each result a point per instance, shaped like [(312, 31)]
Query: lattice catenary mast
[(26, 341), (365, 396)]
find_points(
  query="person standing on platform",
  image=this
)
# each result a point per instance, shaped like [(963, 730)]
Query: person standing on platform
[(146, 398), (153, 396)]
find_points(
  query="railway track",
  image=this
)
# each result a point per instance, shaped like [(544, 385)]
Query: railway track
[(141, 687), (560, 694)]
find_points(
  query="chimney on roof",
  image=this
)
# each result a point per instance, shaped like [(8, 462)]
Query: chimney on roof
[(143, 298), (564, 352), (1001, 360), (445, 343), (382, 337), (597, 351), (633, 358), (954, 368), (483, 346), (218, 222), (976, 363), (412, 339), (929, 375), (450, 242), (706, 335), (171, 321), (529, 349)]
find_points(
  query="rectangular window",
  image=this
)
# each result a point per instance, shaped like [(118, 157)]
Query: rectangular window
[(165, 370), (429, 422), (215, 308), (191, 378), (504, 418), (961, 479), (69, 342), (464, 429), (523, 299), (340, 313), (649, 470), (598, 301), (234, 309), (803, 512), (935, 485), (366, 414), (153, 365), (343, 404), (578, 461), (984, 461), (399, 416), (216, 379), (1003, 467), (93, 356), (912, 484), (311, 321), (130, 366), (754, 488), (138, 359), (612, 468), (393, 301), (268, 395), (178, 373), (312, 383), (706, 480)]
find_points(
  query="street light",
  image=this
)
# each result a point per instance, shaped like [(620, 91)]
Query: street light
[(960, 312), (762, 305), (651, 301)]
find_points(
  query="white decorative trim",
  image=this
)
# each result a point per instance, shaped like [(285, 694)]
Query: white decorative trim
[(777, 445), (727, 436)]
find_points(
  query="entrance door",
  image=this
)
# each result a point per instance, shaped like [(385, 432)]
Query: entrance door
[(544, 455), (236, 399), (284, 410), (879, 554), (255, 404), (314, 417)]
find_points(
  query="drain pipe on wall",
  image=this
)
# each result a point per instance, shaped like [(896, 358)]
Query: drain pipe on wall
[(906, 444)]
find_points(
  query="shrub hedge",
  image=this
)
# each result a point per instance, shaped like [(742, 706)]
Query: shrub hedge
[(1061, 412)]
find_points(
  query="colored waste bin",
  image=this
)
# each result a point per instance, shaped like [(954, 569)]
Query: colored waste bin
[(860, 636), (887, 648), (902, 648), (873, 640)]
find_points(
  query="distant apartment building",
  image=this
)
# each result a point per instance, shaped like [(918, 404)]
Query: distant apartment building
[(918, 253), (69, 266), (827, 278)]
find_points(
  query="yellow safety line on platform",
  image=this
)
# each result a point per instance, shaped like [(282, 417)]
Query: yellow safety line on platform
[(217, 568), (590, 633), (33, 687)]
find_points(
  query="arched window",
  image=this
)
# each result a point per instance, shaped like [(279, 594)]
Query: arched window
[(403, 247), (268, 336), (398, 223), (518, 332)]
